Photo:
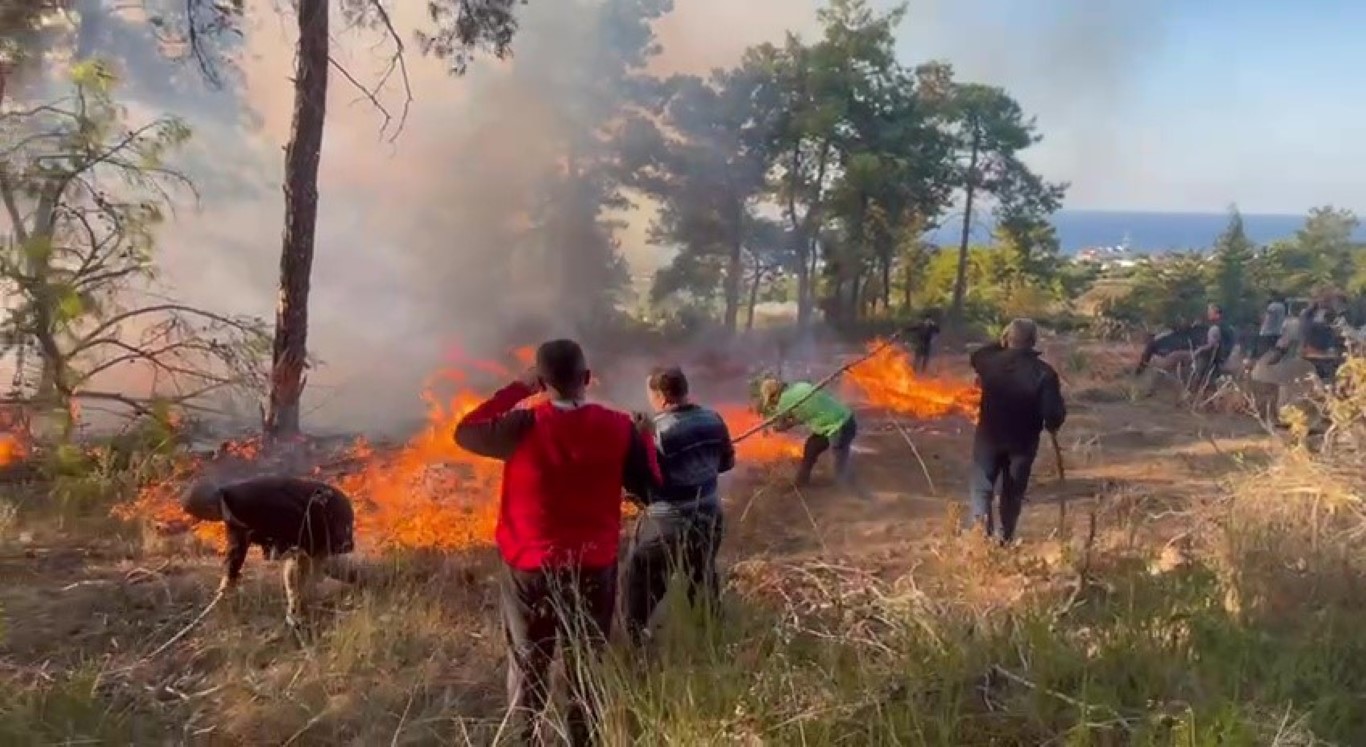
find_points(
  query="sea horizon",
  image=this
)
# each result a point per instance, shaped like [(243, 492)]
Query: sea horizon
[(1145, 231)]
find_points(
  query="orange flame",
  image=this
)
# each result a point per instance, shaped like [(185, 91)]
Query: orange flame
[(14, 436), (761, 447), (888, 380), (427, 494), (11, 449)]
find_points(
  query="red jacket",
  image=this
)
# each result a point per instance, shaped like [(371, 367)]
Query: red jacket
[(565, 468)]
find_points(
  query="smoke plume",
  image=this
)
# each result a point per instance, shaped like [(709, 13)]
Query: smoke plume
[(408, 230)]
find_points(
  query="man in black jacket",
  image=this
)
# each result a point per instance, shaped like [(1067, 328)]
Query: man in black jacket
[(681, 525), (1021, 397), (922, 336), (308, 524)]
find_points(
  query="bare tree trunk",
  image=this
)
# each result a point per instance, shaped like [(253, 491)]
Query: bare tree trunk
[(735, 270), (753, 296), (886, 290), (803, 280), (907, 284), (301, 219), (960, 283)]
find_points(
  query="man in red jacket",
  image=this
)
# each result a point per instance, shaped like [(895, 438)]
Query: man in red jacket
[(566, 465)]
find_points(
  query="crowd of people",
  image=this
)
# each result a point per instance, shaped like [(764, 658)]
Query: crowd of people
[(567, 463), (1284, 356)]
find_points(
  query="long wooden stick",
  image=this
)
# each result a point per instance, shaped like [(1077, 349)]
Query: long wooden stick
[(892, 339), (1062, 478), (186, 630), (916, 452)]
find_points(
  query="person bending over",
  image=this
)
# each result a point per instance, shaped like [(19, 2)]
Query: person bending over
[(830, 421), (565, 465), (1021, 397), (682, 525), (308, 524)]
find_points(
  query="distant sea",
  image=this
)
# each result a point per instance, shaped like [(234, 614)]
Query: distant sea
[(1148, 233)]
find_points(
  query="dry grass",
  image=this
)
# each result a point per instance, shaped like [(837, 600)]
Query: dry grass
[(1229, 619)]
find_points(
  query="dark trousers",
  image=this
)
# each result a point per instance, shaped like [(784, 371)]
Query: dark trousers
[(1207, 371), (542, 609), (843, 447), (922, 359), (686, 543), (1264, 345), (1008, 467)]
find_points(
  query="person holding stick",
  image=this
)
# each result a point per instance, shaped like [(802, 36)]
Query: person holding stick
[(1021, 397), (830, 421), (306, 523), (682, 525)]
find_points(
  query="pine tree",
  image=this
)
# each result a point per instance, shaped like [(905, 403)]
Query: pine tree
[(1230, 284)]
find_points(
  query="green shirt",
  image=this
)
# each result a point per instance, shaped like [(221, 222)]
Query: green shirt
[(822, 414)]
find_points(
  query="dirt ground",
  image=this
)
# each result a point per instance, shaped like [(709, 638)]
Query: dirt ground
[(85, 598)]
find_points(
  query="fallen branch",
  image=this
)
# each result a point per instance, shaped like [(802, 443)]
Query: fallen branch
[(1062, 478), (185, 630), (923, 467)]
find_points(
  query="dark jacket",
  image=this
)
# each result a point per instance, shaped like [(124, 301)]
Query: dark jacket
[(922, 335), (1021, 396), (694, 450), (279, 514), (565, 467)]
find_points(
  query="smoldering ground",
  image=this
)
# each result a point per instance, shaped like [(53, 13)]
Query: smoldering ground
[(409, 230)]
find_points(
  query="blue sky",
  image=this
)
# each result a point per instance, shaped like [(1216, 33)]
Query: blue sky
[(1173, 104)]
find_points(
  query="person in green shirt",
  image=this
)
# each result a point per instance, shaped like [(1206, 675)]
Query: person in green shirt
[(830, 421)]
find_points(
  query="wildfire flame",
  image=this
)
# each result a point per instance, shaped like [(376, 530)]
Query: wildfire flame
[(429, 493), (12, 449), (14, 436), (888, 380)]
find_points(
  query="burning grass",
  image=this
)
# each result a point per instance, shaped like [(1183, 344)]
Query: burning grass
[(1241, 627), (427, 494), (889, 381)]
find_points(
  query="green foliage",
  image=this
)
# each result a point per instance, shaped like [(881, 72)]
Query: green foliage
[(857, 154), (989, 131), (63, 710), (1164, 290), (1242, 277), (85, 192), (705, 160), (1229, 269)]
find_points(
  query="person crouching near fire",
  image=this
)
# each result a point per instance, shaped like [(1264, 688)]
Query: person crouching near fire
[(681, 527), (1021, 397), (830, 421), (566, 463), (308, 524)]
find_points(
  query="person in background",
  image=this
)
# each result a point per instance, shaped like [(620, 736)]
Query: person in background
[(922, 336), (1213, 353), (831, 423), (566, 464), (308, 524), (1273, 324), (1176, 339), (1021, 397), (682, 525)]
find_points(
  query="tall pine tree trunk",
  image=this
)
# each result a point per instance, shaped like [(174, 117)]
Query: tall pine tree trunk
[(753, 296), (960, 282), (735, 271), (301, 220)]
